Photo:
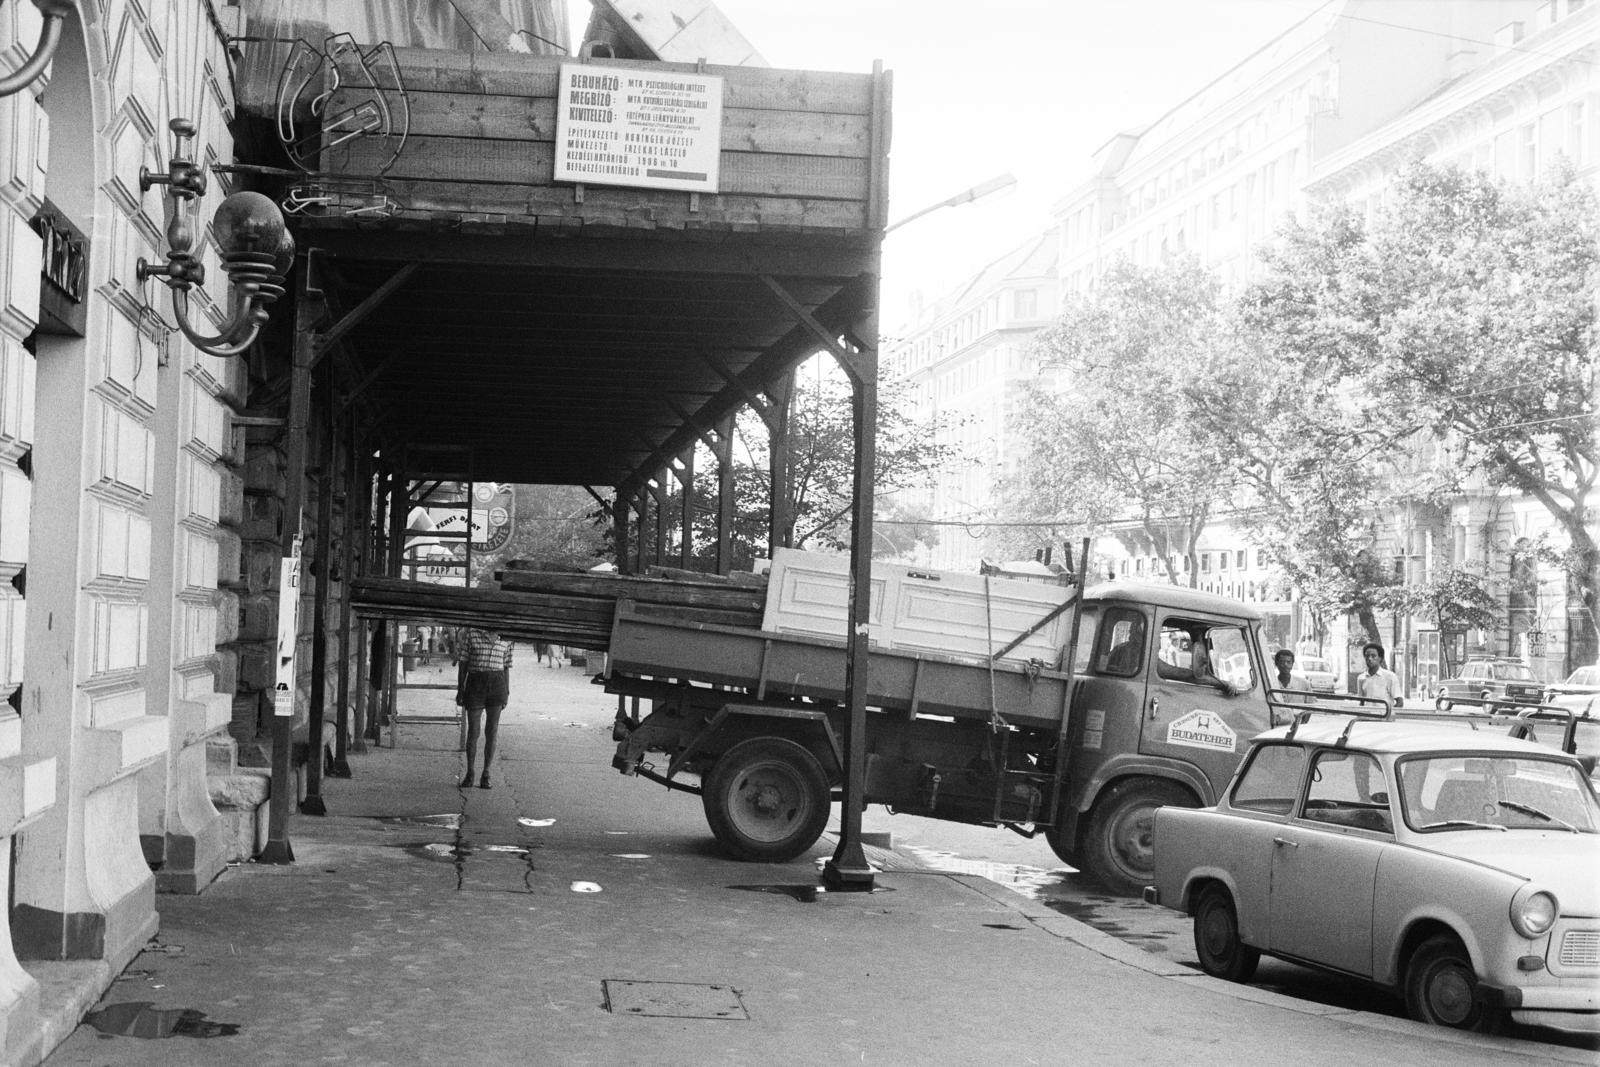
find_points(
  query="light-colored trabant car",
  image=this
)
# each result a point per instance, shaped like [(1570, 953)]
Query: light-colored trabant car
[(1459, 868)]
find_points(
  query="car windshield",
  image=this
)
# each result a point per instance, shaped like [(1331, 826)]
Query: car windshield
[(1513, 672), (1463, 791), (1584, 676)]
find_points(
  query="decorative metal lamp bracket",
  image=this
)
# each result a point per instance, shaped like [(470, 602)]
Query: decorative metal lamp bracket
[(257, 250), (55, 13)]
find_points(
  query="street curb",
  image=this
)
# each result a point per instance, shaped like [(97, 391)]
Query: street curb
[(1107, 945)]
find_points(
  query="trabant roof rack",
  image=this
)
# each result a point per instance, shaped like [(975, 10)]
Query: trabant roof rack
[(1559, 715), (1366, 708)]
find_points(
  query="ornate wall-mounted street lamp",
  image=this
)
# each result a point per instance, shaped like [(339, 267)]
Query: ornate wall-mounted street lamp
[(54, 12), (257, 250)]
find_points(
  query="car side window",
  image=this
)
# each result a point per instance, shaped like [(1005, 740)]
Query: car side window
[(1347, 789), (1271, 781), (1120, 647)]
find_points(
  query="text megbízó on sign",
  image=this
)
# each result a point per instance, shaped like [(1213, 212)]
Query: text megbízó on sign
[(649, 129)]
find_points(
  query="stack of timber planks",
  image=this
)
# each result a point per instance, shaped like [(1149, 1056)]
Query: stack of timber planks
[(574, 610)]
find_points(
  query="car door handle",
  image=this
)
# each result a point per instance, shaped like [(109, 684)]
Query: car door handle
[(1285, 842), (1155, 707)]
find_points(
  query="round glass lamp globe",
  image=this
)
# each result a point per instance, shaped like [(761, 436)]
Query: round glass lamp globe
[(285, 258), (248, 222)]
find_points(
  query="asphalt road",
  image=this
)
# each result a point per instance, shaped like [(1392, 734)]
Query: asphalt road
[(1028, 866)]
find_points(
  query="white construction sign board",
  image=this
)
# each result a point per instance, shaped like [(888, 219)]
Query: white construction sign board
[(288, 630), (640, 128)]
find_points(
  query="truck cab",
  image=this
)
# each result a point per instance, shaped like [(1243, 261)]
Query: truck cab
[(1171, 685)]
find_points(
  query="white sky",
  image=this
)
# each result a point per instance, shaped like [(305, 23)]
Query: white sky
[(1030, 87)]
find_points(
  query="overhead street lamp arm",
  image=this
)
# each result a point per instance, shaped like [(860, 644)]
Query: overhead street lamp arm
[(982, 189)]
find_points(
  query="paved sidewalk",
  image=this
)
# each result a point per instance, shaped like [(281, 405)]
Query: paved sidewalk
[(571, 916)]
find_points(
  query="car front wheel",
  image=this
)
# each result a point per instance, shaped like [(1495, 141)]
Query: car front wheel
[(1441, 699), (1442, 989), (1216, 938)]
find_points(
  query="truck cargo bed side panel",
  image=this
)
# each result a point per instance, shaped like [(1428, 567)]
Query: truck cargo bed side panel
[(771, 665)]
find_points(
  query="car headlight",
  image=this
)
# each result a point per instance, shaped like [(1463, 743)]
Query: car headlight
[(1533, 911)]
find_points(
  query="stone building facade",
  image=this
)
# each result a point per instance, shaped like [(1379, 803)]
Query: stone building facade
[(123, 500)]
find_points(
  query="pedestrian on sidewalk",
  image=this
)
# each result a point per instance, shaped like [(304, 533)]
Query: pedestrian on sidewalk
[(1379, 683), (483, 686), (1288, 678)]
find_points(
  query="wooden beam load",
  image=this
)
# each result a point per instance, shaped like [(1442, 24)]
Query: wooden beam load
[(572, 610)]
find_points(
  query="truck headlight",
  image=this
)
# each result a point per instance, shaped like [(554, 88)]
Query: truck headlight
[(1533, 911)]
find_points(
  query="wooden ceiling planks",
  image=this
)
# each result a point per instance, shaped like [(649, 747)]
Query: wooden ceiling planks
[(563, 332)]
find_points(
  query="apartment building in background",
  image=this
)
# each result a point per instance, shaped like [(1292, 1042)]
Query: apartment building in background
[(1327, 112)]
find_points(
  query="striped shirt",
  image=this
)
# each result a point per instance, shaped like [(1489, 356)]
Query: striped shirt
[(484, 651)]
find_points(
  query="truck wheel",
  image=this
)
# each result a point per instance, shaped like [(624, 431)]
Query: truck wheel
[(1116, 847), (767, 800), (1063, 847), (1216, 938), (1442, 989)]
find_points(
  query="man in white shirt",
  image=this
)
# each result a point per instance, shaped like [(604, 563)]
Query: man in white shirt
[(1284, 676), (1379, 682)]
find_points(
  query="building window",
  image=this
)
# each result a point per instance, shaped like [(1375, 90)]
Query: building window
[(1025, 304), (1222, 561), (1240, 559), (1205, 563)]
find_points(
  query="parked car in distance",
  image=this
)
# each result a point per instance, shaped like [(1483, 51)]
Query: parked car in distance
[(1319, 673), (1455, 867), (1491, 679), (1578, 691)]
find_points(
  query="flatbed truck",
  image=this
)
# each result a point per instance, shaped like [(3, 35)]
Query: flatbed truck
[(1083, 749)]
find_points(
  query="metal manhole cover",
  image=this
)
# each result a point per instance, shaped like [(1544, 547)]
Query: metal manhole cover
[(673, 1000)]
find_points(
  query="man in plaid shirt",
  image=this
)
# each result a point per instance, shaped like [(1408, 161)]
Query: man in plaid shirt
[(483, 685)]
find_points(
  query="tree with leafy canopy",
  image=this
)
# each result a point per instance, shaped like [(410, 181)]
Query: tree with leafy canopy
[(1456, 598), (909, 452), (559, 525), (1108, 429), (1314, 454), (1464, 314)]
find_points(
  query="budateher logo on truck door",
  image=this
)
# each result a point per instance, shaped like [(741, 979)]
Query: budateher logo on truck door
[(1202, 729)]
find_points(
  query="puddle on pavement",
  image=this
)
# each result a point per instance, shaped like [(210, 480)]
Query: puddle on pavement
[(1102, 914), (1029, 881), (447, 822), (438, 850), (536, 823), (143, 1019), (630, 855), (1035, 883), (807, 894), (586, 887)]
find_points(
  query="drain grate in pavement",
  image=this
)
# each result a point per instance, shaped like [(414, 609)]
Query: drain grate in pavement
[(673, 1000)]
